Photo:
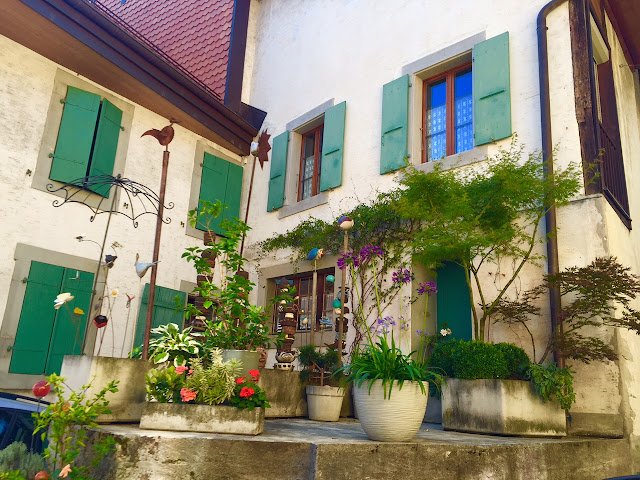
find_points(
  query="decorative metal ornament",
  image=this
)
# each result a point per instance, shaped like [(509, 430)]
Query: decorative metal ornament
[(263, 148), (100, 321), (163, 136), (316, 254), (345, 223)]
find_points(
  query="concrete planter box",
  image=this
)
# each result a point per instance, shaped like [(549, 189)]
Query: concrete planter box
[(505, 407), (128, 402), (184, 417), (324, 403)]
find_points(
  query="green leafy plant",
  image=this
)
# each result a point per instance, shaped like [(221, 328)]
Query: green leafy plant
[(600, 294), (234, 323), (170, 345), (318, 366), (247, 394), (17, 459), (68, 422), (386, 362), (550, 380), (481, 216), (12, 475), (164, 384), (213, 383)]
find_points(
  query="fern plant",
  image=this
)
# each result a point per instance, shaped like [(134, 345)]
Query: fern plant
[(550, 380)]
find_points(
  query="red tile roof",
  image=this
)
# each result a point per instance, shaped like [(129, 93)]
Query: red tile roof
[(194, 33)]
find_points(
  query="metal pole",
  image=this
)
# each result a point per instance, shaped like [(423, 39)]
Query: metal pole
[(343, 300), (95, 277), (314, 306), (246, 215), (156, 251)]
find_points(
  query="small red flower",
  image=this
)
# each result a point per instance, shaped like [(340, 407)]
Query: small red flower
[(241, 380), (190, 371), (187, 395), (246, 392), (255, 374), (180, 370)]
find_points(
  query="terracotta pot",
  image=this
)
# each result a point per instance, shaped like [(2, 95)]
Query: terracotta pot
[(396, 418)]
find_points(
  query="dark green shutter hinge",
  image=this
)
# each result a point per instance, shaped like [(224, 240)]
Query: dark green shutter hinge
[(121, 128), (9, 348), (25, 280), (63, 100), (51, 155)]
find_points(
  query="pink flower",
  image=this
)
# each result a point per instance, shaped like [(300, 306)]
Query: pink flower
[(241, 380), (246, 392), (180, 370), (190, 371), (66, 470), (255, 374), (187, 395)]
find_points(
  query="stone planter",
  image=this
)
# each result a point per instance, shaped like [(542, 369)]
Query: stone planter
[(324, 403), (394, 419), (250, 359), (128, 402), (506, 407), (185, 417)]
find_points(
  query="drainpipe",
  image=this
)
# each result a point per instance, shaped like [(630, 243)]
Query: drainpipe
[(547, 149)]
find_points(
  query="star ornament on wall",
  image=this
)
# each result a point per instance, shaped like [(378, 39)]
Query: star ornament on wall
[(261, 148)]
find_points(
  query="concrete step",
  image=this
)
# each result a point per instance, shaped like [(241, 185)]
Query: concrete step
[(300, 449)]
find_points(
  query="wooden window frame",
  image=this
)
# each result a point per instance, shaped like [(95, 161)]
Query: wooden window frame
[(322, 274), (449, 76), (315, 188)]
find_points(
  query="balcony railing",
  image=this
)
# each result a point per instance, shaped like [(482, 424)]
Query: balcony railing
[(613, 180)]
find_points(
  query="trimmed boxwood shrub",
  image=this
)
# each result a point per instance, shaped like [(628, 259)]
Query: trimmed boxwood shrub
[(471, 360)]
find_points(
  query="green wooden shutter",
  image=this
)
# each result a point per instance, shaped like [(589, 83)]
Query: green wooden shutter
[(106, 144), (395, 117), (491, 90), (37, 318), (164, 310), (234, 191), (278, 171), (68, 329), (213, 186), (453, 301), (75, 137), (332, 147)]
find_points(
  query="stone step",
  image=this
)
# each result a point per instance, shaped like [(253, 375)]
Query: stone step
[(300, 449)]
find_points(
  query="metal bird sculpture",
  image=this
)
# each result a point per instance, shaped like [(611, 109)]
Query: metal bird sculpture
[(110, 260), (163, 136), (141, 268), (316, 254)]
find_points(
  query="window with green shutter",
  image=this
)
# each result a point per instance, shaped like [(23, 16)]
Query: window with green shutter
[(164, 310), (45, 335), (221, 180), (87, 139)]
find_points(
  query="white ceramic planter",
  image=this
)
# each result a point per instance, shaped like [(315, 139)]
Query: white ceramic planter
[(128, 402), (324, 403), (250, 360), (506, 407), (185, 417), (394, 419)]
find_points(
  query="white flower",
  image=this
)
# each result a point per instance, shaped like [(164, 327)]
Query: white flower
[(443, 332), (62, 299)]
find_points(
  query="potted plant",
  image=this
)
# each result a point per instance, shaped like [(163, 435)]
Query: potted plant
[(494, 388), (324, 400), (205, 396), (390, 387), (232, 322)]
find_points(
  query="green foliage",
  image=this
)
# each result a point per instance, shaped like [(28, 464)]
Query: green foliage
[(550, 380), (68, 422), (16, 458), (474, 359), (236, 323), (164, 384), (477, 216), (247, 394), (386, 362), (213, 383), (597, 295), (170, 345), (13, 475), (318, 366)]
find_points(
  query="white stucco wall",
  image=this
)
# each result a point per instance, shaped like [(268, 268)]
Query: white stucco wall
[(28, 217)]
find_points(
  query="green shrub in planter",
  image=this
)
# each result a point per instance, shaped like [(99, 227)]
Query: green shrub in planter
[(477, 360)]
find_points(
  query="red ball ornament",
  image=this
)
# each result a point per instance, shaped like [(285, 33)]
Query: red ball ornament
[(41, 389), (42, 475), (100, 321)]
